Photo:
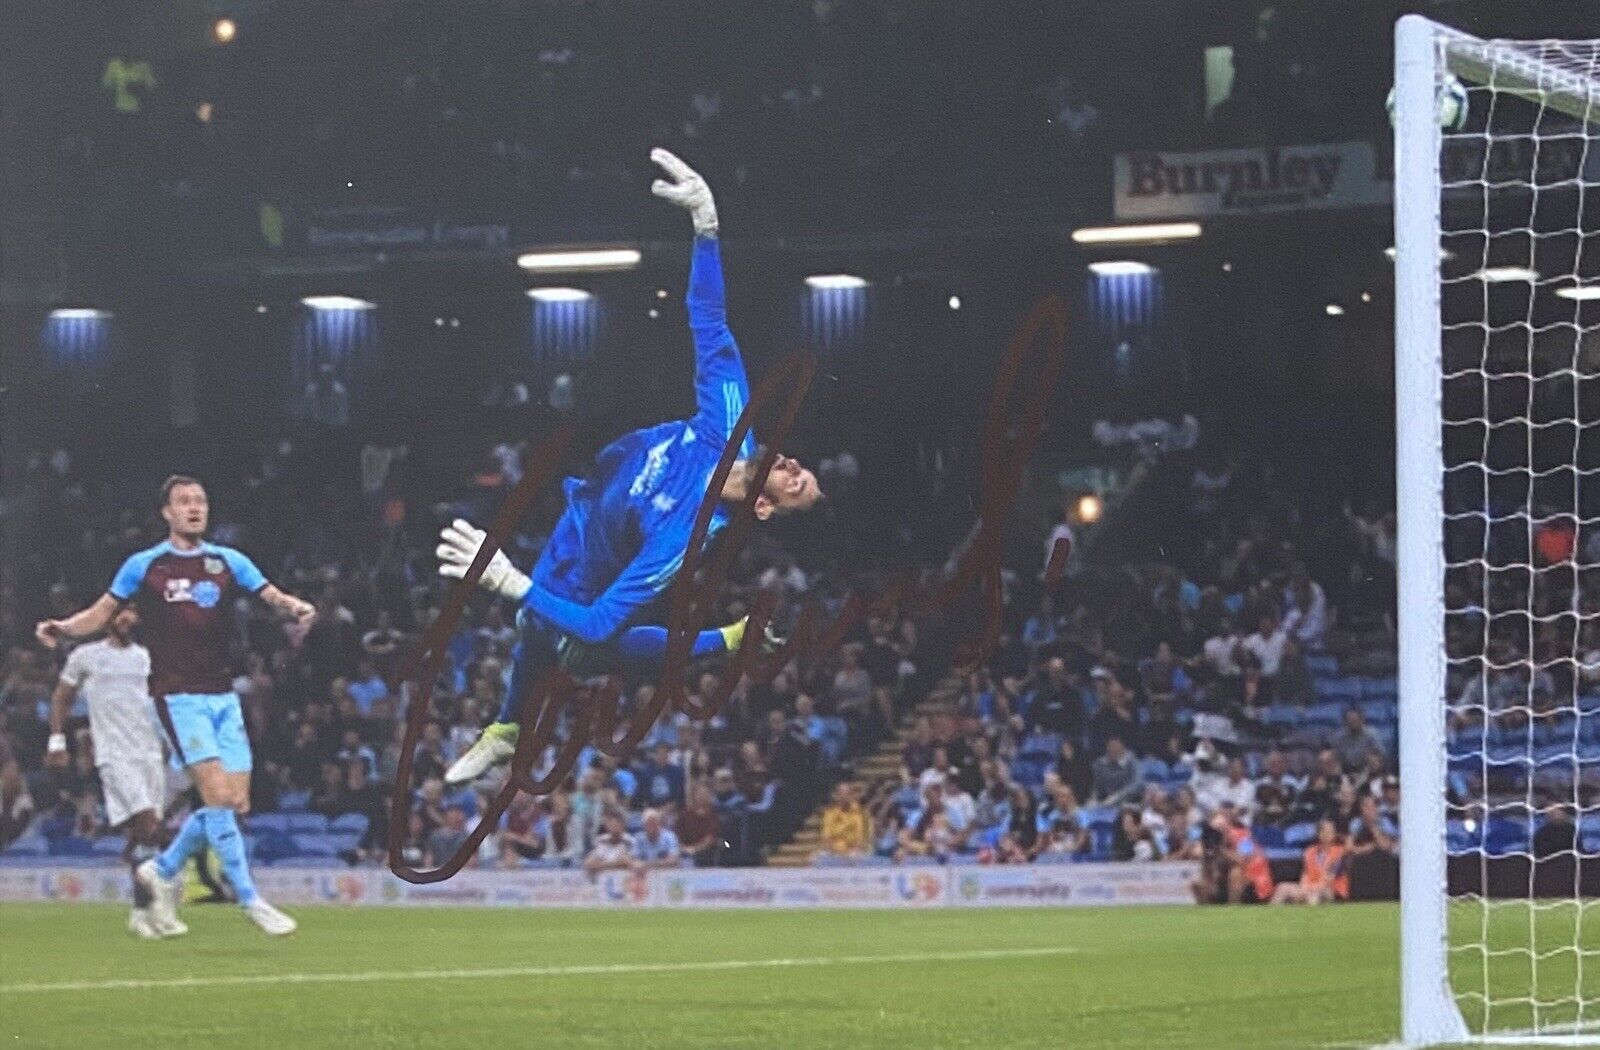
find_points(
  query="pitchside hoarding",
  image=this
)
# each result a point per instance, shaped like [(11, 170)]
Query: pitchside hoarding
[(876, 887)]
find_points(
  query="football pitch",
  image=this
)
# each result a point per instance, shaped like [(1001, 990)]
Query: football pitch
[(70, 977)]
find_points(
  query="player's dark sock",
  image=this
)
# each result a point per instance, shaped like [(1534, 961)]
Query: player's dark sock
[(190, 838), (222, 831), (138, 853)]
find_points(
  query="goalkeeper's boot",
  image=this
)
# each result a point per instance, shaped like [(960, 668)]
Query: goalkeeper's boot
[(494, 746), (733, 636), (270, 919)]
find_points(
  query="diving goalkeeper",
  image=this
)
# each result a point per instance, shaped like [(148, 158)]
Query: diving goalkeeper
[(626, 528)]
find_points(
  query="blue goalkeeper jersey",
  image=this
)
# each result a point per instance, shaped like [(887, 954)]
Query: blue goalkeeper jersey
[(626, 528)]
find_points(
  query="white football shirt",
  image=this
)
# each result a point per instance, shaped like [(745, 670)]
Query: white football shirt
[(115, 682)]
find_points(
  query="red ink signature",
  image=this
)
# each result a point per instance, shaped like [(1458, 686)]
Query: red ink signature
[(1008, 442)]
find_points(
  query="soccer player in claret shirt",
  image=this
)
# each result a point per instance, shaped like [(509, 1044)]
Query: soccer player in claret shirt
[(183, 588)]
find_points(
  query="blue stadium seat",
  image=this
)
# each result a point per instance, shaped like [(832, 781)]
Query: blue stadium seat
[(261, 823), (71, 846), (307, 824), (314, 846), (294, 801), (1300, 835), (1502, 837), (111, 846), (31, 844), (1380, 689), (1153, 770), (1281, 715), (349, 823), (1338, 690), (1459, 838), (1269, 836), (1322, 666)]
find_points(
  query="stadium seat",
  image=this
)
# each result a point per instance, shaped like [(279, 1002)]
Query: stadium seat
[(1502, 837), (1322, 666), (294, 801), (1300, 835), (261, 823), (31, 844), (110, 845), (307, 824), (314, 846), (349, 823), (1269, 836), (1338, 690), (1153, 770)]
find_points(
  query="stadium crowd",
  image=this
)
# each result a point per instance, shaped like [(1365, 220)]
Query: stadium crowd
[(1171, 710)]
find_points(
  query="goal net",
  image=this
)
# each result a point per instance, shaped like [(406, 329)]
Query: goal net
[(1497, 219)]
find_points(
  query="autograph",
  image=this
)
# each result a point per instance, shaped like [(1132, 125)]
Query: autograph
[(1007, 446)]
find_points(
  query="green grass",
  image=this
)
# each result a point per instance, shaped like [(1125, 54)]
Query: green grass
[(1136, 978)]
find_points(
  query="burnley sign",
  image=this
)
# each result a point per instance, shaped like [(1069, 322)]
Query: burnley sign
[(1165, 185)]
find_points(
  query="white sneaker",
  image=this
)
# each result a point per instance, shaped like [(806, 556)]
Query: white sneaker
[(140, 926), (496, 744), (270, 919), (163, 910)]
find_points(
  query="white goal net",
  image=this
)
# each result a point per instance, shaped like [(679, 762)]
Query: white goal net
[(1498, 380)]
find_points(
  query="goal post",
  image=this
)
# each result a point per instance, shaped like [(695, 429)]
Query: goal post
[(1497, 367)]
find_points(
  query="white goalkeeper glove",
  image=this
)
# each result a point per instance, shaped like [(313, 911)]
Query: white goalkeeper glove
[(459, 544), (687, 190)]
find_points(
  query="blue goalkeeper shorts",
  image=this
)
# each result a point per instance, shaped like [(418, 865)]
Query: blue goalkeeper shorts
[(203, 726)]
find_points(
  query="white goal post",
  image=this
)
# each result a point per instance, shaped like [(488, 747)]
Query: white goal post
[(1497, 365)]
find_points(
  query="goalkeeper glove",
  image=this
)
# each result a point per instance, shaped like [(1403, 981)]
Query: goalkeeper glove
[(459, 544), (687, 190)]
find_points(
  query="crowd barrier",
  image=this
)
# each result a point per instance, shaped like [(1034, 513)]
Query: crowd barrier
[(894, 887)]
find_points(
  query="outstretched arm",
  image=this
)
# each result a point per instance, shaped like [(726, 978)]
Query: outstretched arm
[(80, 624), (721, 386)]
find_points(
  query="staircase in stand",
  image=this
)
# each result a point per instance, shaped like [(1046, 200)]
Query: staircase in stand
[(867, 772)]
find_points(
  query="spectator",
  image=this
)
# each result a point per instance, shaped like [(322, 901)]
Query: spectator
[(1116, 775), (16, 804), (660, 783), (846, 829), (1276, 791), (698, 829), (1308, 606), (1131, 840), (1268, 642), (1074, 769), (655, 846), (1355, 741), (522, 831), (1235, 869), (1322, 875), (367, 687), (1231, 788), (612, 849), (449, 838)]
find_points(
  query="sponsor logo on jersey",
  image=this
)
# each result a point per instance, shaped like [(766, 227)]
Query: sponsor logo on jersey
[(178, 589), (206, 593), (214, 566)]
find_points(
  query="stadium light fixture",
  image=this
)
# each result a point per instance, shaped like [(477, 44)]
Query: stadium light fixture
[(1146, 233), (588, 260), (1090, 507), (1120, 268), (559, 295), (80, 313), (1580, 292), (225, 30), (1507, 275), (955, 302), (826, 281), (1333, 310), (337, 302)]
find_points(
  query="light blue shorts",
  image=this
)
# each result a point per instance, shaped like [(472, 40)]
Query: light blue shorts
[(202, 726)]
